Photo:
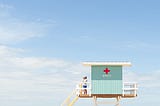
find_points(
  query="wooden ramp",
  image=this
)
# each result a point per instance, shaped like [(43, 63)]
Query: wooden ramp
[(68, 101)]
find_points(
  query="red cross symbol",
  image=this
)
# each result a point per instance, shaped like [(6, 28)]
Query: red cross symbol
[(106, 70)]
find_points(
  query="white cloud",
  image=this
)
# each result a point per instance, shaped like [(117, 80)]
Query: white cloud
[(5, 6), (28, 77), (139, 45), (38, 78), (134, 45), (4, 10), (146, 80), (14, 29), (17, 30), (7, 51), (148, 86)]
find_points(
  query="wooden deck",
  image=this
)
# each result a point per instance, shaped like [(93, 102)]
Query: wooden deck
[(108, 96), (129, 96), (85, 96)]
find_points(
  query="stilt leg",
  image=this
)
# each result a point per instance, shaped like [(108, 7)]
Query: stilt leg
[(95, 100), (118, 99)]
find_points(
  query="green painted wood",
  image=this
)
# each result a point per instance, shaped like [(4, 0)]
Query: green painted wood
[(97, 73), (106, 87), (103, 83)]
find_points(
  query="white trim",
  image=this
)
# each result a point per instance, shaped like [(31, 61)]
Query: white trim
[(128, 89), (107, 63), (129, 83)]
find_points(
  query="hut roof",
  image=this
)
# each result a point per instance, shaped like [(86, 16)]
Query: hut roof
[(110, 63)]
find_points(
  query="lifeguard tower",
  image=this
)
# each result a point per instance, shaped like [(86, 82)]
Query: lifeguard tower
[(106, 82)]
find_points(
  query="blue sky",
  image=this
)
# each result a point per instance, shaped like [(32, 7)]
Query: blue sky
[(41, 40)]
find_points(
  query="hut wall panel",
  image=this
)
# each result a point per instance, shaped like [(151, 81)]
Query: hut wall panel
[(106, 87)]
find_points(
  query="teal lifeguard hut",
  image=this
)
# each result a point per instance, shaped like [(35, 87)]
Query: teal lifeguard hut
[(106, 82)]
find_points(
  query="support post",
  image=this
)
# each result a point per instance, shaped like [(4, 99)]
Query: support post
[(118, 99), (95, 100)]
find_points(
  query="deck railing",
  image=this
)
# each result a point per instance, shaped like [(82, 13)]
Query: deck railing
[(129, 89), (82, 91)]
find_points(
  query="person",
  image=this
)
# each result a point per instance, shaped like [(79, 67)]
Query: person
[(84, 84)]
